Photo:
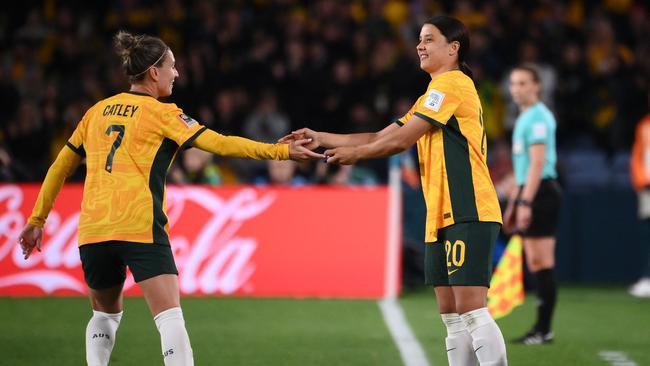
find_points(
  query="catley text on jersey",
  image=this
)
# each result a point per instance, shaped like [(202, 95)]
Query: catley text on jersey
[(120, 110)]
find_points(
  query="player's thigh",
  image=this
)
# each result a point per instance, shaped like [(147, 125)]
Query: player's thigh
[(469, 247), (470, 298), (435, 266), (445, 299), (468, 253), (154, 269), (161, 292), (108, 300), (435, 274), (102, 266)]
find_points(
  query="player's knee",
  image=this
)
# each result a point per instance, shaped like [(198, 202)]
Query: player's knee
[(106, 304), (110, 307), (468, 305), (446, 308), (446, 305)]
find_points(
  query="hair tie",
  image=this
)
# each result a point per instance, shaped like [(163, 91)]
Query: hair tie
[(152, 65)]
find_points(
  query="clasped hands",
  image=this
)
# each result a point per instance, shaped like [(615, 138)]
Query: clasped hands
[(309, 140)]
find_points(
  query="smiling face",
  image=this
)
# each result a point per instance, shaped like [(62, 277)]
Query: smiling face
[(165, 75), (434, 52)]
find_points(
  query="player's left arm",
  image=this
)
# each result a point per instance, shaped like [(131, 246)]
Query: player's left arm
[(392, 142), (66, 163), (240, 147)]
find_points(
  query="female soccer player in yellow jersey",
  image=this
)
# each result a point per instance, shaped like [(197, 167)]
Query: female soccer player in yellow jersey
[(463, 214), (129, 141)]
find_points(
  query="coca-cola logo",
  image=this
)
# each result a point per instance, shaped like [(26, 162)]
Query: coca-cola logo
[(214, 260)]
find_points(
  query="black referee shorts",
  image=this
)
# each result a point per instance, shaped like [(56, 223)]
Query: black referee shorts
[(545, 209)]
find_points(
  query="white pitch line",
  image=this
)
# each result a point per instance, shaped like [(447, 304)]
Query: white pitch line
[(393, 230), (409, 348), (617, 358)]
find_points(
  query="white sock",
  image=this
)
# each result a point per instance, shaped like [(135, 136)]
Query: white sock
[(176, 348), (458, 341), (100, 337), (489, 346)]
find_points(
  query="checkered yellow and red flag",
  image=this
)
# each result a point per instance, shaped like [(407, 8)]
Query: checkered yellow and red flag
[(507, 284)]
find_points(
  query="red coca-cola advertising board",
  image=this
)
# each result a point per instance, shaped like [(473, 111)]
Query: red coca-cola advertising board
[(239, 240)]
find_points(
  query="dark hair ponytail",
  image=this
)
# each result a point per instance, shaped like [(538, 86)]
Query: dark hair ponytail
[(464, 67), (139, 53), (454, 31)]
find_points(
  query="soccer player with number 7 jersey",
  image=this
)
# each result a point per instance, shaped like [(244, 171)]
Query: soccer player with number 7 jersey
[(129, 141)]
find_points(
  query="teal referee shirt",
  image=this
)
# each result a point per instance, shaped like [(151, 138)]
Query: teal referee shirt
[(536, 125)]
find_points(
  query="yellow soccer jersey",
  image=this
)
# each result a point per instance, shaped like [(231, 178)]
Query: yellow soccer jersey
[(129, 141), (455, 178)]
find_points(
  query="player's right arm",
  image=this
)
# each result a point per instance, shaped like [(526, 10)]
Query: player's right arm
[(333, 140), (329, 140), (66, 163)]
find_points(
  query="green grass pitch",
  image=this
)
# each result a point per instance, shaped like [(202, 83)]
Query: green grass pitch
[(243, 331)]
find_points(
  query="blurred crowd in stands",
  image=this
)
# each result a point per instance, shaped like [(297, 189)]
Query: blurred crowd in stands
[(261, 68)]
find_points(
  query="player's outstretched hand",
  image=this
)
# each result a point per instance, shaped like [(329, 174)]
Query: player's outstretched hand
[(342, 155), (29, 239), (298, 151), (301, 134)]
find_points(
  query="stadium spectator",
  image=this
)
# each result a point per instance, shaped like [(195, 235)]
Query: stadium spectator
[(281, 173), (314, 55), (197, 167), (344, 175)]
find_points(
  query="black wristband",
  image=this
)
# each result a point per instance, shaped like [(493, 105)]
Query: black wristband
[(522, 202)]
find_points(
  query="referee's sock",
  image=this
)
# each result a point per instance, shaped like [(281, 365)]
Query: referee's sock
[(487, 340), (458, 341), (100, 337), (547, 295), (175, 342)]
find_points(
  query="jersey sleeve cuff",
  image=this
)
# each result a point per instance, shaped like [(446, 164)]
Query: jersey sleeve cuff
[(79, 150), (189, 141), (284, 152), (36, 221), (429, 119)]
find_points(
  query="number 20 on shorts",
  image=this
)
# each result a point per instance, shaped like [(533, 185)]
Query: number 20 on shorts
[(455, 253)]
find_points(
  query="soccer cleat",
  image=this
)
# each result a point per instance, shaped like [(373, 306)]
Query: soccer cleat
[(534, 337), (641, 288)]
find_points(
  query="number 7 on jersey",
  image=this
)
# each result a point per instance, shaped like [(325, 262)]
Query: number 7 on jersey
[(118, 141)]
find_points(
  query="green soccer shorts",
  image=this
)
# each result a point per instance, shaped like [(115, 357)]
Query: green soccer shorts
[(462, 256)]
